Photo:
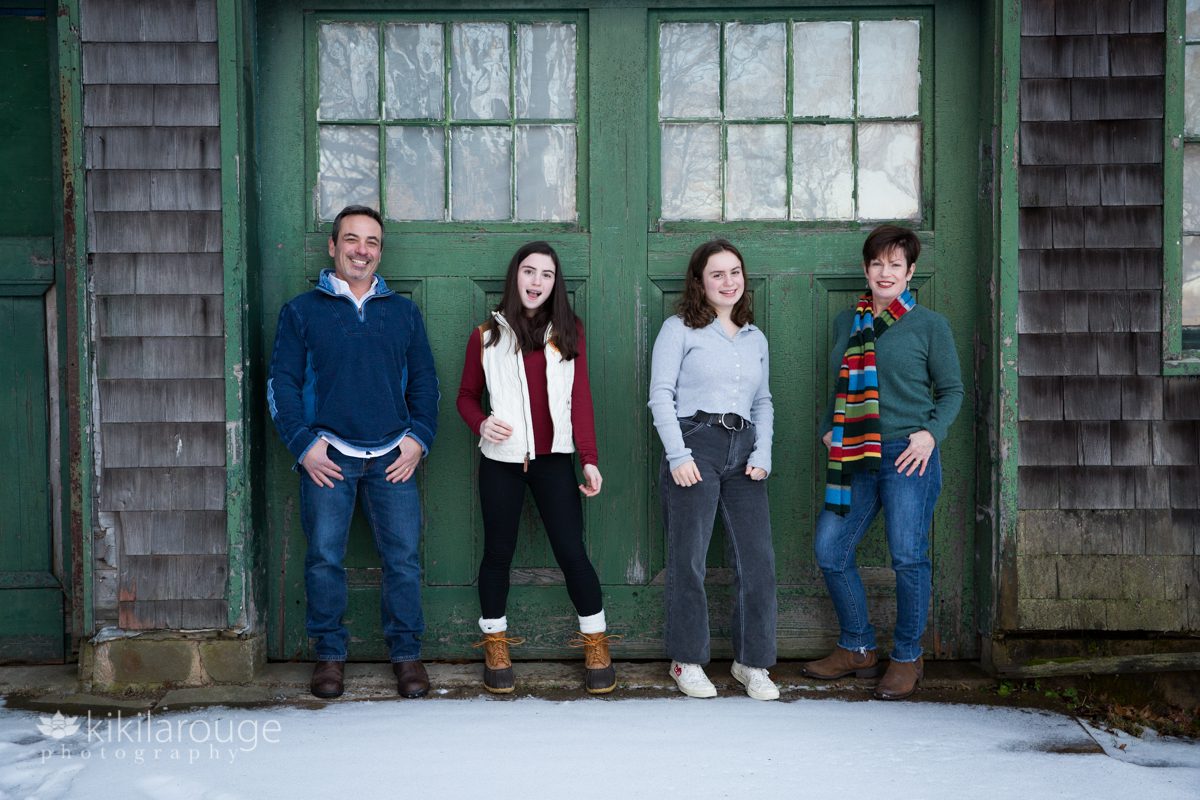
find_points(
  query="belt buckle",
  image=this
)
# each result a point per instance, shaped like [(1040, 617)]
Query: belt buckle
[(741, 423)]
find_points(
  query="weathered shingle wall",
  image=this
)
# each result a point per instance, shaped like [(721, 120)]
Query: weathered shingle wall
[(1109, 528), (154, 237)]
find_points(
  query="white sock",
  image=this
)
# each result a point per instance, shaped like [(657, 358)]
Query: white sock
[(593, 624), (493, 625)]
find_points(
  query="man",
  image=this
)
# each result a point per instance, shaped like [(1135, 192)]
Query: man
[(354, 395)]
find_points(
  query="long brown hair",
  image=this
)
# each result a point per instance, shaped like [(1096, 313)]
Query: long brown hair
[(531, 331), (694, 307)]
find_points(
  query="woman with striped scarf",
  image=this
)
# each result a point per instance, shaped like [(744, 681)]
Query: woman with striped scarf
[(897, 391)]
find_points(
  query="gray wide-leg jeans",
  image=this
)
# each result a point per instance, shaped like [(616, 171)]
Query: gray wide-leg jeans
[(688, 515)]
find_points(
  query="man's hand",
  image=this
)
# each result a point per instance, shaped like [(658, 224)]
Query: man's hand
[(403, 467), (920, 447), (318, 466), (592, 480), (495, 430), (687, 474)]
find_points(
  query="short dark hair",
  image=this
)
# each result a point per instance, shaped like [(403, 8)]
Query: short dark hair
[(886, 238), (355, 211), (694, 307)]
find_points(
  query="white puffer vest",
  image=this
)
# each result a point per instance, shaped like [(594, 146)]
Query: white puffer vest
[(508, 395)]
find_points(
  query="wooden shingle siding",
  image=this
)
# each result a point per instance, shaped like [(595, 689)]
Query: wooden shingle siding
[(152, 155), (1109, 474)]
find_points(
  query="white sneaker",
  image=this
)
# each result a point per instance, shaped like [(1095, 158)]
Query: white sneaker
[(691, 680), (757, 682)]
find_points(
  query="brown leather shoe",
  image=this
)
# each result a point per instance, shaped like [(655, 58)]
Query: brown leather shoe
[(842, 662), (497, 665), (328, 679), (411, 678), (901, 679), (599, 675)]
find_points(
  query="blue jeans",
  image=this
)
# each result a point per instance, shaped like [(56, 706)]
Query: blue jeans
[(907, 503), (688, 515), (394, 513)]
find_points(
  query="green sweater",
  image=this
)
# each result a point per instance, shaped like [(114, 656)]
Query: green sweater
[(920, 386)]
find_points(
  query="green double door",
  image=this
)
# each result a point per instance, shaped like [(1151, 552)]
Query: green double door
[(625, 136)]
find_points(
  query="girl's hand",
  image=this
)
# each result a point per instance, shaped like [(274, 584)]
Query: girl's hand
[(686, 474), (592, 480), (756, 473), (920, 447), (827, 440), (495, 430)]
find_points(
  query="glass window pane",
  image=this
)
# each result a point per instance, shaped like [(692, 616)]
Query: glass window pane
[(546, 172), (889, 170), (1192, 31), (1191, 188), (755, 70), (546, 71), (822, 172), (416, 173), (479, 71), (823, 53), (349, 168), (691, 172), (1191, 89), (413, 65), (689, 74), (480, 160), (756, 172), (349, 71), (888, 78), (1191, 281)]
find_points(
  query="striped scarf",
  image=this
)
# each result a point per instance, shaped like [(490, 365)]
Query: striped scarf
[(856, 437)]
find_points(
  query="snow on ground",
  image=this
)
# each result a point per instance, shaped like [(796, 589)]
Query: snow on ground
[(528, 748)]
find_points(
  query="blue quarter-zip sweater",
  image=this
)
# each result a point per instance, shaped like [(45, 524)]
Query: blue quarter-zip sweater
[(363, 376)]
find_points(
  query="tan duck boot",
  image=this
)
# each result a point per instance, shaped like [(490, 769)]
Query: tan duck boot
[(497, 665), (599, 676)]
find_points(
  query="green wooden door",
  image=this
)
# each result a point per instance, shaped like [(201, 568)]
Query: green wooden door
[(375, 107), (31, 593)]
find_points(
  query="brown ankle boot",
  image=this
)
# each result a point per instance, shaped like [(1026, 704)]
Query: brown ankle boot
[(497, 666), (901, 679), (842, 662), (328, 679), (599, 675)]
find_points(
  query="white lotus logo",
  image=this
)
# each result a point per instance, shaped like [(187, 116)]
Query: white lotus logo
[(57, 726)]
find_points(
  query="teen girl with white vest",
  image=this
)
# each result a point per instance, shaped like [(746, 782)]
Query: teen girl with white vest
[(530, 356)]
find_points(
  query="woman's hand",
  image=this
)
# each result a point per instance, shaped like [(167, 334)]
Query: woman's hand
[(920, 447), (495, 430), (686, 474), (827, 440), (592, 480), (756, 473)]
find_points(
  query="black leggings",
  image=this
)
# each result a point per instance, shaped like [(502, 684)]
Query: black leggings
[(501, 495)]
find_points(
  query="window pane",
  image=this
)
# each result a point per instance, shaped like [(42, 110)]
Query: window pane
[(1191, 89), (479, 173), (479, 71), (1192, 31), (413, 64), (1191, 188), (349, 168), (415, 173), (755, 70), (889, 169), (1191, 281), (691, 172), (888, 79), (756, 172), (689, 75), (823, 52), (546, 71), (349, 72), (822, 172), (546, 172)]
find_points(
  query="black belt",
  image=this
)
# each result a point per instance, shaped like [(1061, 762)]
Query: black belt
[(729, 421)]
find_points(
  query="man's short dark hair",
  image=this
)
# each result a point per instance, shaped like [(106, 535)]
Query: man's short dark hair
[(355, 211), (886, 238)]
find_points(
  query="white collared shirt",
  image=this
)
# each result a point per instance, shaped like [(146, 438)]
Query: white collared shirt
[(343, 288)]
